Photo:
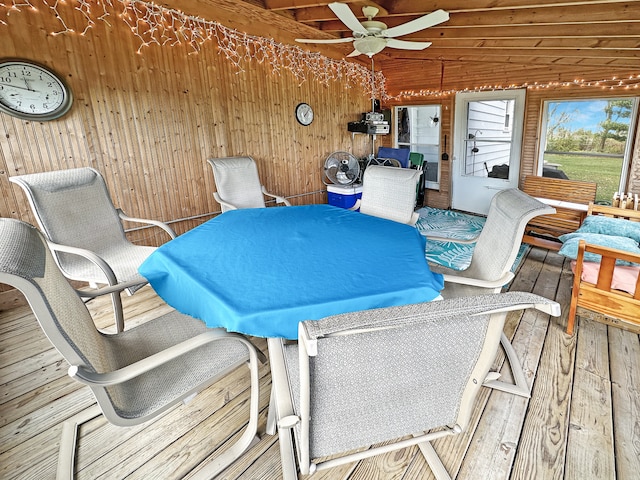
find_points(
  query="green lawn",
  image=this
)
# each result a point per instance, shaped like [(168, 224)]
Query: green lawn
[(605, 171)]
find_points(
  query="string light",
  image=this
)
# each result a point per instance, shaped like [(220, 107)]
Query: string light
[(632, 81), (154, 24)]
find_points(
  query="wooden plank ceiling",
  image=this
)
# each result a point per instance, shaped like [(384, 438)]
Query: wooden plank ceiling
[(581, 32), (569, 36)]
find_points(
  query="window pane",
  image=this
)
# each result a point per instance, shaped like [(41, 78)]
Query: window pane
[(488, 143), (418, 129), (588, 140)]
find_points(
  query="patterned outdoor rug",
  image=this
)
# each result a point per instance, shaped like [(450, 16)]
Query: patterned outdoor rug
[(452, 224)]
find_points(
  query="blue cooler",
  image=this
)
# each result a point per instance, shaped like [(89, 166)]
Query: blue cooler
[(343, 196)]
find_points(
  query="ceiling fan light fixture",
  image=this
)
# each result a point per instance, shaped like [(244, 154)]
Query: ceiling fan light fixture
[(369, 45)]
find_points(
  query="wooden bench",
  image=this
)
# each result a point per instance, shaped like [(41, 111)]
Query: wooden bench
[(571, 199)]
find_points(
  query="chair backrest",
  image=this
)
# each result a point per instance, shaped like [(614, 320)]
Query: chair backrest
[(416, 159), (73, 207), (26, 263), (237, 182), (400, 154), (390, 192), (500, 238), (373, 376)]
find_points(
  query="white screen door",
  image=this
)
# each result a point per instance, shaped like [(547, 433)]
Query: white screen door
[(487, 144)]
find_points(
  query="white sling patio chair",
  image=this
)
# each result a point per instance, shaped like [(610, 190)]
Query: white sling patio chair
[(84, 230), (396, 376), (238, 184), (389, 192), (495, 251), (134, 375)]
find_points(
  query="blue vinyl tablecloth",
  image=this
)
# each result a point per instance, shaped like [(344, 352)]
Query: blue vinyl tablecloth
[(261, 271)]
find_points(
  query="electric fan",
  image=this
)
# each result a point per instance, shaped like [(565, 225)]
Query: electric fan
[(341, 168), (370, 37)]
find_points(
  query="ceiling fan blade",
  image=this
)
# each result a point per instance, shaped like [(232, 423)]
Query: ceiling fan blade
[(355, 53), (346, 16), (326, 40), (404, 45), (426, 21)]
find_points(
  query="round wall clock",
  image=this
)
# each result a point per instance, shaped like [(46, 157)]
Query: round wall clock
[(304, 114), (32, 92)]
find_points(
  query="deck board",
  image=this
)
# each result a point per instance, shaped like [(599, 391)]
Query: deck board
[(582, 420)]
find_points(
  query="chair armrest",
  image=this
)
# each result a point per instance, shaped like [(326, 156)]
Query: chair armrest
[(98, 292), (89, 255), (158, 224), (223, 202), (149, 363), (506, 278), (278, 198)]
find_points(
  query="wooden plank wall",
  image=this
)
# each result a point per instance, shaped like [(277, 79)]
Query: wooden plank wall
[(149, 121)]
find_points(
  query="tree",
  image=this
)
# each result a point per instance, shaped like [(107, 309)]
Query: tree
[(613, 125), (555, 120)]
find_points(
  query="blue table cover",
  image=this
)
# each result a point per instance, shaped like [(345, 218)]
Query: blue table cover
[(261, 271)]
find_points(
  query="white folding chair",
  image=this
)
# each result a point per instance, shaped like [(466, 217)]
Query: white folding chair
[(135, 375), (84, 230), (389, 192), (238, 184), (391, 377)]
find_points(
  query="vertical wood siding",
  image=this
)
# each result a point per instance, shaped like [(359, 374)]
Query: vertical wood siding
[(149, 121)]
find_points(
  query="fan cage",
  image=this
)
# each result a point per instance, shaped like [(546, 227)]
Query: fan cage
[(341, 168)]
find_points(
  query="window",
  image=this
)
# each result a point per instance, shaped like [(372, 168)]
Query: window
[(418, 129), (588, 140), (489, 139)]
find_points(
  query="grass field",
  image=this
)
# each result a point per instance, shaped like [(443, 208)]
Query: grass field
[(605, 171)]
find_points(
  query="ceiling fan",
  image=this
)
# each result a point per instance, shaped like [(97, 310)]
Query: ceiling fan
[(371, 36)]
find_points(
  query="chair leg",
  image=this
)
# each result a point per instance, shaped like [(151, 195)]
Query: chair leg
[(519, 386), (280, 407), (67, 451), (248, 438), (434, 462), (271, 414)]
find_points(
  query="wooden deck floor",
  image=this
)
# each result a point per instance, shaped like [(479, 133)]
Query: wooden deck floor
[(581, 422)]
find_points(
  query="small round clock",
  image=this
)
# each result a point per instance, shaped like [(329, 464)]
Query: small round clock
[(304, 114), (32, 92)]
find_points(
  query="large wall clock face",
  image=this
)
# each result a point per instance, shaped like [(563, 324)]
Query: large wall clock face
[(32, 92)]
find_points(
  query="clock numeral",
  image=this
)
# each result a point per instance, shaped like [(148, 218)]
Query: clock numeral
[(5, 79)]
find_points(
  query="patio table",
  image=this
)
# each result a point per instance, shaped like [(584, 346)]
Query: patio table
[(262, 271)]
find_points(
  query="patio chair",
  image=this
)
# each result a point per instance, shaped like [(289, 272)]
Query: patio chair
[(134, 375), (84, 230), (391, 377), (400, 154), (495, 251), (389, 192), (238, 184)]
